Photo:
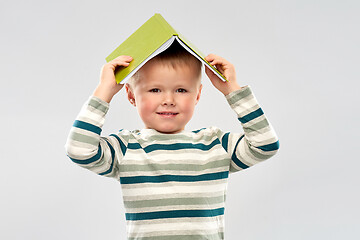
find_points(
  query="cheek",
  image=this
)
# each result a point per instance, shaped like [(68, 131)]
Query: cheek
[(145, 106), (188, 105)]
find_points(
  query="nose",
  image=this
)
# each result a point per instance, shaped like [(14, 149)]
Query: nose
[(168, 100)]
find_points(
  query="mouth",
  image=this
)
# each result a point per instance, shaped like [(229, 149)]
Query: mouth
[(167, 113)]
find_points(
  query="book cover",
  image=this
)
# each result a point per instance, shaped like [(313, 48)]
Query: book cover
[(153, 37)]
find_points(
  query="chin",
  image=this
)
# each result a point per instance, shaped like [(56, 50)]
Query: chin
[(168, 130)]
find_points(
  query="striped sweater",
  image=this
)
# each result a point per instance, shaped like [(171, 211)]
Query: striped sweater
[(174, 185)]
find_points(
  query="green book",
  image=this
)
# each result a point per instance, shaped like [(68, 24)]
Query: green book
[(152, 38)]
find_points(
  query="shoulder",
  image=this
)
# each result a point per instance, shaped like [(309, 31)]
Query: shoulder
[(127, 135), (208, 132)]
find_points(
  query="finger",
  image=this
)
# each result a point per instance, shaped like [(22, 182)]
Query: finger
[(120, 62), (210, 57), (124, 57), (121, 59), (220, 68), (219, 61)]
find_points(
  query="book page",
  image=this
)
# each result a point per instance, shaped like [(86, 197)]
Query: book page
[(200, 58), (162, 48)]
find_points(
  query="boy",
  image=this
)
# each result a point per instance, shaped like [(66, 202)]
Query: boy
[(173, 181)]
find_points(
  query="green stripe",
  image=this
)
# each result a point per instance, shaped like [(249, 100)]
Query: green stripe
[(238, 95), (216, 236), (151, 167), (174, 201), (98, 105), (257, 126), (84, 138)]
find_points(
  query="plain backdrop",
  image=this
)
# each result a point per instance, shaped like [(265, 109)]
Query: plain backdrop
[(301, 58)]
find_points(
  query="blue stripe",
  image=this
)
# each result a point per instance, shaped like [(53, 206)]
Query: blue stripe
[(270, 147), (251, 116), (89, 160), (225, 141), (175, 146), (173, 178), (87, 126), (196, 131), (175, 214), (234, 157), (122, 145), (112, 159), (134, 146)]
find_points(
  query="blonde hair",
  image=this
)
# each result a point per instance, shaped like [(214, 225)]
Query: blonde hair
[(175, 56)]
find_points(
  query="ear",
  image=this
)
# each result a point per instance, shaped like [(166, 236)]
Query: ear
[(130, 94), (198, 94)]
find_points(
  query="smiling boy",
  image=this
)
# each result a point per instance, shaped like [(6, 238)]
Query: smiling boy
[(173, 181), (165, 97)]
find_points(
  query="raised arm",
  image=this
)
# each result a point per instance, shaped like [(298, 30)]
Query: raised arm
[(259, 140), (84, 145)]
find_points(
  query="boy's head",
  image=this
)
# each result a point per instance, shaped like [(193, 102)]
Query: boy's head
[(166, 89)]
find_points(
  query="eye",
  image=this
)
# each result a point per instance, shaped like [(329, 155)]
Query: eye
[(154, 90), (181, 90)]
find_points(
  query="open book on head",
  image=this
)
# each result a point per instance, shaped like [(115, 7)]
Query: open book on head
[(152, 38)]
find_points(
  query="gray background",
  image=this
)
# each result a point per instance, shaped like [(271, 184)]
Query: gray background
[(301, 58)]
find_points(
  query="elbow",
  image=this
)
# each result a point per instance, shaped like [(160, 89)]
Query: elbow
[(270, 150), (275, 147), (272, 147)]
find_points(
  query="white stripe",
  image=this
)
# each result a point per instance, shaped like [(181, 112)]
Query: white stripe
[(197, 161), (210, 227), (245, 156), (189, 138), (159, 188), (196, 155), (80, 150), (91, 117), (175, 207)]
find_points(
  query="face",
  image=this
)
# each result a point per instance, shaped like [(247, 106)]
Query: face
[(165, 97)]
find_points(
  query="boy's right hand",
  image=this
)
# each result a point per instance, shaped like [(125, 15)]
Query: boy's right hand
[(108, 87)]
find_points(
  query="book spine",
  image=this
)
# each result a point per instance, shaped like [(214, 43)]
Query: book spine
[(167, 27)]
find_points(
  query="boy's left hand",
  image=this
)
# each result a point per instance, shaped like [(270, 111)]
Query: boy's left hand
[(226, 69)]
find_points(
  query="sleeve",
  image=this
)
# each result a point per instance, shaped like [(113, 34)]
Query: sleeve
[(85, 146), (259, 140)]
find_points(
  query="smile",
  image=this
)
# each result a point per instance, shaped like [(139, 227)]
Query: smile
[(167, 113)]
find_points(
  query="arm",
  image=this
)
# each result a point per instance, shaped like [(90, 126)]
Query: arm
[(259, 141), (84, 145)]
